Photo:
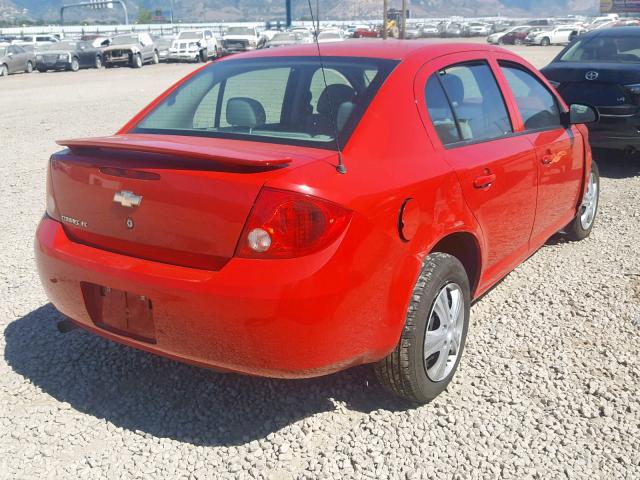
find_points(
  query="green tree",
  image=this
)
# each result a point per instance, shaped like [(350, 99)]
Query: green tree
[(144, 16)]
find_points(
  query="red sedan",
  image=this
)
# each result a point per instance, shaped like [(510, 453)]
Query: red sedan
[(276, 215)]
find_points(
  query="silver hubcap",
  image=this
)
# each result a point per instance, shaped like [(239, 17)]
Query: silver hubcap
[(589, 203), (443, 339)]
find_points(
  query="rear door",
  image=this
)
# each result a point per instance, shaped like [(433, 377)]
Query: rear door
[(13, 59), (468, 120), (559, 149)]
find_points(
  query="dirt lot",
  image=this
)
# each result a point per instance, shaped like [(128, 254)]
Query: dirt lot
[(548, 387)]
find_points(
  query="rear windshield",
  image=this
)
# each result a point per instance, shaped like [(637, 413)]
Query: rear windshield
[(275, 99), (623, 49)]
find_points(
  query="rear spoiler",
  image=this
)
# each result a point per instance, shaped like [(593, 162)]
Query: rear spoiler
[(200, 148)]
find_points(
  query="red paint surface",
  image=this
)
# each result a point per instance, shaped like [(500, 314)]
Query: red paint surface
[(327, 310)]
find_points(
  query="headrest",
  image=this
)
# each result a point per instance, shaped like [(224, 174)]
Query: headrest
[(245, 112), (333, 96), (454, 87)]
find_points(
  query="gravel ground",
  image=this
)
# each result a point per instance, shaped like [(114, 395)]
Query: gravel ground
[(548, 387)]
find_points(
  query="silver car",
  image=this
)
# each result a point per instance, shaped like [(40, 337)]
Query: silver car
[(14, 58), (133, 49)]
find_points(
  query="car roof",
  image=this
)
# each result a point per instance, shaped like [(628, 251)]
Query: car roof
[(374, 48)]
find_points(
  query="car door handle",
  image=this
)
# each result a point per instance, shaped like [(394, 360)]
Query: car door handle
[(547, 159), (484, 181)]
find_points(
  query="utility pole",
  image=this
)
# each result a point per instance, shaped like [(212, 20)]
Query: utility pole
[(385, 7), (318, 16), (403, 20), (288, 5)]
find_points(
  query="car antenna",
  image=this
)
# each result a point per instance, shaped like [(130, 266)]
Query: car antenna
[(340, 168)]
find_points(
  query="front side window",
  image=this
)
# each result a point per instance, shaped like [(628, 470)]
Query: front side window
[(275, 99), (538, 107), (476, 102)]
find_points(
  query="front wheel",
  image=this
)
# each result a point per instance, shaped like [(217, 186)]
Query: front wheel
[(432, 341), (29, 67), (156, 58), (98, 62), (545, 42), (4, 70), (581, 226), (136, 61), (75, 65)]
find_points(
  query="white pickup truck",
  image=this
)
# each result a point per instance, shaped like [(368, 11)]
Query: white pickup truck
[(240, 39), (194, 46)]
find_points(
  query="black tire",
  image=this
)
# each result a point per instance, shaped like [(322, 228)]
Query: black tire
[(75, 65), (545, 42), (404, 371), (4, 71), (98, 62), (204, 55), (29, 67), (42, 70), (577, 230)]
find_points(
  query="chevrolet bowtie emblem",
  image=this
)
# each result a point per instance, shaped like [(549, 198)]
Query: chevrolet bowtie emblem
[(127, 199)]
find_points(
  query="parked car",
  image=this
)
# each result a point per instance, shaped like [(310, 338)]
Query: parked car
[(14, 59), (519, 35), (258, 219), (365, 32), (240, 39), (452, 29), (68, 55), (284, 39), (429, 30), (36, 40), (163, 44), (495, 38), (134, 50), (476, 29), (553, 35), (196, 45), (330, 35), (602, 68)]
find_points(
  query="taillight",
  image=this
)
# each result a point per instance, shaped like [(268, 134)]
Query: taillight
[(285, 224), (52, 209)]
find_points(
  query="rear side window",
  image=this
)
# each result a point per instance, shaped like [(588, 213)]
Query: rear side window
[(475, 104), (538, 107)]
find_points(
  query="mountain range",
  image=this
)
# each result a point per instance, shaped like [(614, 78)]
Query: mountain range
[(259, 10)]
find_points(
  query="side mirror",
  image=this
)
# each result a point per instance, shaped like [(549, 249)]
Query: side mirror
[(582, 114)]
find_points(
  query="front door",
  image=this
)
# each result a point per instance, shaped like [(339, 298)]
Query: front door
[(559, 150)]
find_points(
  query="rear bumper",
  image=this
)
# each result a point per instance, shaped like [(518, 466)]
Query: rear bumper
[(616, 132), (288, 319)]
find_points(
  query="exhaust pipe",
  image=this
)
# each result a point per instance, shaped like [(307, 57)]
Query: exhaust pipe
[(66, 325)]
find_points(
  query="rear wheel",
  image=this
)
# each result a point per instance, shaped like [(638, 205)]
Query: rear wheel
[(156, 58), (29, 67), (545, 42), (4, 70), (98, 62), (581, 226), (432, 341), (42, 70), (75, 64)]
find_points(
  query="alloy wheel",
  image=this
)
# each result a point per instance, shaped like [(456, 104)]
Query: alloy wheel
[(443, 337), (589, 203)]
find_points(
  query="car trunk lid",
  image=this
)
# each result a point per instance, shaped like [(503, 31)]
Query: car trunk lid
[(171, 199)]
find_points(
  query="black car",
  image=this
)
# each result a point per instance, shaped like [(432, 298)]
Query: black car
[(68, 55), (602, 68)]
